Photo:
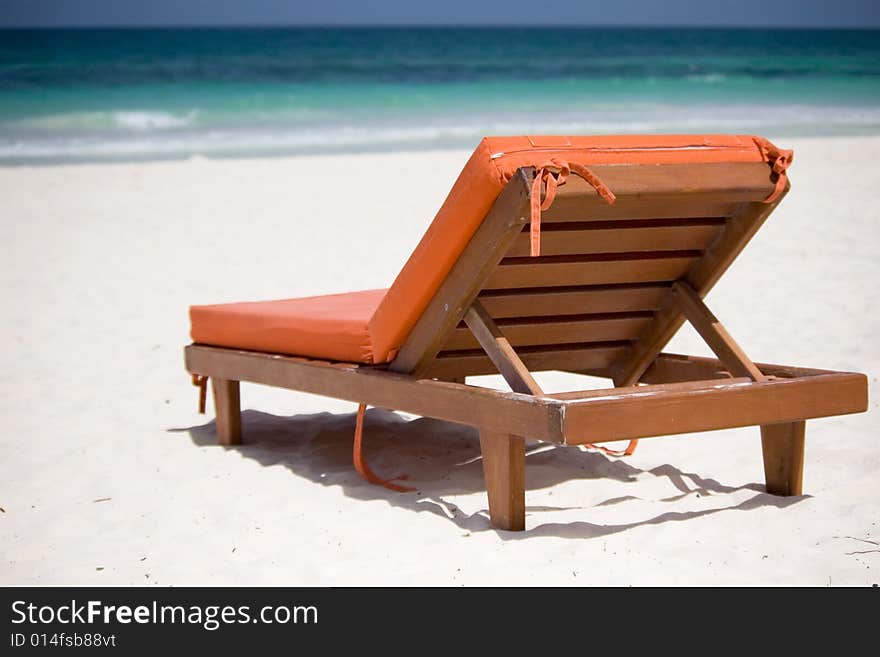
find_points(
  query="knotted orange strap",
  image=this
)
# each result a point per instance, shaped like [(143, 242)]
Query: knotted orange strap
[(779, 160), (550, 181), (616, 452), (361, 465), (201, 382)]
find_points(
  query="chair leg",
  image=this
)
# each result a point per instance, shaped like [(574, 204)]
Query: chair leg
[(504, 462), (227, 408), (783, 447)]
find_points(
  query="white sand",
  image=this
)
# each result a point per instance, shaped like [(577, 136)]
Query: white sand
[(101, 261)]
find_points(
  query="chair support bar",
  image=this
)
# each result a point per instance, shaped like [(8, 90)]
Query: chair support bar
[(499, 351), (714, 334)]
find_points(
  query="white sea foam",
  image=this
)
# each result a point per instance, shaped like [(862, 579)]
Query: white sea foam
[(708, 78), (148, 135), (152, 120), (123, 120)]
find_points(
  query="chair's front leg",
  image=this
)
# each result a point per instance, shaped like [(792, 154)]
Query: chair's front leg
[(783, 448), (504, 461), (227, 408)]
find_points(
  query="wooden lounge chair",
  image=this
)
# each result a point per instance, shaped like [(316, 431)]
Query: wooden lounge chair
[(580, 254)]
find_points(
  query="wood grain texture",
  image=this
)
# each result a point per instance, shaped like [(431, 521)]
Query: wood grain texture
[(676, 368), (227, 409), (455, 295), (507, 412), (504, 471), (627, 208), (529, 331), (671, 368), (658, 389), (668, 190), (701, 277), (570, 239), (714, 333), (783, 450), (644, 411), (741, 181), (543, 302), (572, 270), (499, 351), (571, 357)]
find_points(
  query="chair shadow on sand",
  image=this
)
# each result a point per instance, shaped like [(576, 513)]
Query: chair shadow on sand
[(443, 459)]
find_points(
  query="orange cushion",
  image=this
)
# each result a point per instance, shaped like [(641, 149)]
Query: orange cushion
[(332, 327), (370, 326)]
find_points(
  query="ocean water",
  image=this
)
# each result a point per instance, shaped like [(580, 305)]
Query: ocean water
[(134, 94)]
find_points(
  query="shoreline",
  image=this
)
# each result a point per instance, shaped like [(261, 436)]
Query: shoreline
[(428, 153)]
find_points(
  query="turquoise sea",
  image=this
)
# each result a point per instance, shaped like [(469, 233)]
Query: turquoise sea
[(132, 94)]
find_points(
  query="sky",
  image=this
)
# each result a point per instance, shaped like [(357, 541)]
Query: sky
[(717, 13)]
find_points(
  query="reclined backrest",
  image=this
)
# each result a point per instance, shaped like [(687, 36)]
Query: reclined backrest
[(598, 295)]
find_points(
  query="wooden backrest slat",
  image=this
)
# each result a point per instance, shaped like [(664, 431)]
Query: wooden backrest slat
[(595, 357), (619, 239), (566, 209), (740, 181), (562, 331), (589, 272), (542, 302)]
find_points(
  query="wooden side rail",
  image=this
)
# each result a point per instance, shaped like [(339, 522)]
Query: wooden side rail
[(675, 368), (596, 416), (539, 418)]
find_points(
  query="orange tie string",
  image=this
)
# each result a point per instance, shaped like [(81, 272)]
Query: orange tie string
[(616, 452), (360, 463), (779, 159), (201, 382), (550, 182)]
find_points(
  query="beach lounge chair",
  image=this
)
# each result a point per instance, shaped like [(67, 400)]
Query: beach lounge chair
[(580, 254)]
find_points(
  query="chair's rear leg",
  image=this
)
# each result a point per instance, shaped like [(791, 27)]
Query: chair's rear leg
[(227, 407), (504, 461), (783, 447)]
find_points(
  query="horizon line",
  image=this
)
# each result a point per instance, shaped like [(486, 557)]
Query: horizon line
[(476, 26)]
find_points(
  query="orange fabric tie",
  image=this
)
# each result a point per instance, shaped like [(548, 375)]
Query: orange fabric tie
[(551, 181), (360, 463), (616, 452), (201, 382), (779, 159)]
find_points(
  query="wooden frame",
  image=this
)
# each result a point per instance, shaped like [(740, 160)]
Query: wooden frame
[(622, 324)]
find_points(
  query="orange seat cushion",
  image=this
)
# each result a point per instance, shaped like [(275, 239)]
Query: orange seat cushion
[(370, 326), (332, 327)]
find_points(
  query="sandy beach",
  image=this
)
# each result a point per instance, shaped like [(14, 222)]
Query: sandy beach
[(108, 476)]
